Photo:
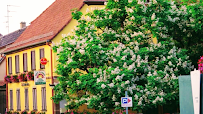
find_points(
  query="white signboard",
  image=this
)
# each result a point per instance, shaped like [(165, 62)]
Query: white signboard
[(39, 77), (126, 102), (195, 83)]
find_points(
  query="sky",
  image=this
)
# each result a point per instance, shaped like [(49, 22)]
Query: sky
[(20, 11)]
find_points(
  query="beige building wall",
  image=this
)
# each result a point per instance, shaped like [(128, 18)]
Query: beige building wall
[(2, 70), (2, 65)]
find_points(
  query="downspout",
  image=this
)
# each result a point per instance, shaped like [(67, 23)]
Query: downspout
[(52, 79), (6, 89)]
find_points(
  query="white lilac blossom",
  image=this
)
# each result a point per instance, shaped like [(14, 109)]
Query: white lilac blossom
[(109, 61)]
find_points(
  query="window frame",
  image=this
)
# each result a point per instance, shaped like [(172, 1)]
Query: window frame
[(25, 66), (11, 99), (18, 100), (17, 65), (34, 96), (44, 105), (33, 60), (41, 55), (9, 65), (26, 99)]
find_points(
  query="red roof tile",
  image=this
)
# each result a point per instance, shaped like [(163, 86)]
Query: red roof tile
[(2, 83), (48, 24)]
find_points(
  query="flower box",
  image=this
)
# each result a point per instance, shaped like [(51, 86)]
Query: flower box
[(30, 75), (24, 112), (22, 77), (14, 78), (7, 78)]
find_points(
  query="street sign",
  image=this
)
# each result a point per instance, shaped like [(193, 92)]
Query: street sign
[(126, 102)]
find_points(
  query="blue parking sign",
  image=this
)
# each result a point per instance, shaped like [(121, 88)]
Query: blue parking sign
[(126, 102)]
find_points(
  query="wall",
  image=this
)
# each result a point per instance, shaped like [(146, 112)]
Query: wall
[(3, 69), (14, 86)]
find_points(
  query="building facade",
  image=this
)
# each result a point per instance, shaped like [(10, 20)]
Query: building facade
[(23, 93), (33, 47), (5, 41)]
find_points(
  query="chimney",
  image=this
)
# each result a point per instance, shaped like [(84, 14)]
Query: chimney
[(22, 25)]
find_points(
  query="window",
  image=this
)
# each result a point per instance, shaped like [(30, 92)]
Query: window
[(34, 94), (26, 100), (24, 62), (44, 98), (42, 56), (18, 99), (33, 65), (17, 63), (10, 65), (11, 99)]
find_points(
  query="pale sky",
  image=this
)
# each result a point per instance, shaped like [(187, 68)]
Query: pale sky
[(20, 11)]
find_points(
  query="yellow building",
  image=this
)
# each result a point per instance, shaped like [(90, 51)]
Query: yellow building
[(33, 47)]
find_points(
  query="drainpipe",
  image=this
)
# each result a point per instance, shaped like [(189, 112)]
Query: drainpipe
[(52, 79), (6, 89)]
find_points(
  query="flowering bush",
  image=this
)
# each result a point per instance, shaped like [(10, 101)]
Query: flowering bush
[(14, 78), (200, 64), (22, 77), (115, 50), (77, 112), (7, 78), (30, 75)]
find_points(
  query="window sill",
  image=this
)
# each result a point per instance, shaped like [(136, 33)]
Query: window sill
[(18, 109)]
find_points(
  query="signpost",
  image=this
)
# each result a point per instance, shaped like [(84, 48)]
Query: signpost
[(126, 101)]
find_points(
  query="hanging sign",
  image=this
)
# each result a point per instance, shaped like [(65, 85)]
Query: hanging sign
[(43, 61), (39, 77)]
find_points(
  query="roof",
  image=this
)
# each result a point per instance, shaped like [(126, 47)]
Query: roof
[(2, 83), (47, 25), (95, 2), (11, 37)]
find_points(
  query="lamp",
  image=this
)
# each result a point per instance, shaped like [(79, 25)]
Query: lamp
[(52, 86)]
